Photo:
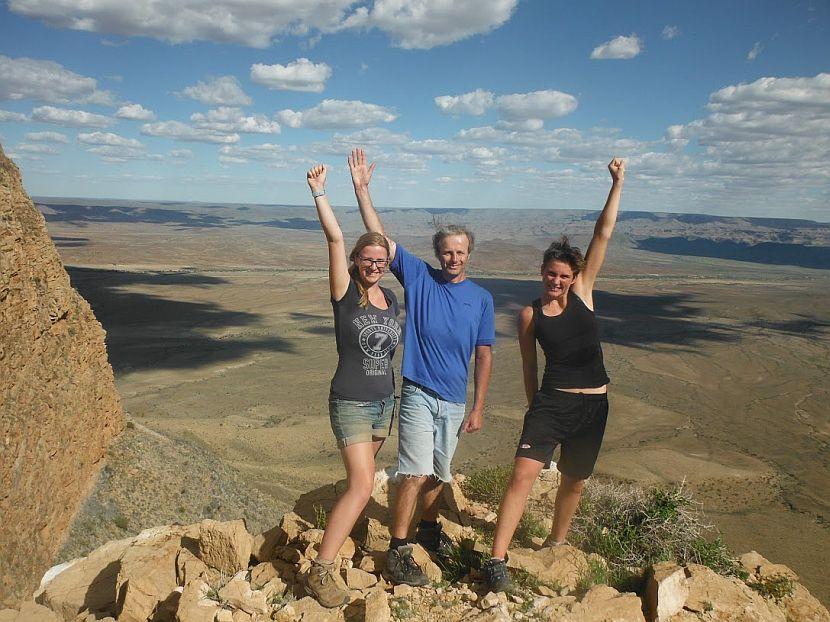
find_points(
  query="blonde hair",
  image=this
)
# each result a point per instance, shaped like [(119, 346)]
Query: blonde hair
[(371, 238)]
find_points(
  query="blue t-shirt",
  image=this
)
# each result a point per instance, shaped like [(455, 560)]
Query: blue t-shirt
[(444, 323)]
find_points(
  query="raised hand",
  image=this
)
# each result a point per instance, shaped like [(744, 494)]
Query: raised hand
[(617, 169), (361, 172), (316, 178)]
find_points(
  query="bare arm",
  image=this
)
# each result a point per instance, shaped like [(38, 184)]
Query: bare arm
[(361, 176), (338, 267), (595, 256), (527, 347), (481, 381)]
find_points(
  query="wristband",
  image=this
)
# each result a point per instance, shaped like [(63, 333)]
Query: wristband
[(318, 193)]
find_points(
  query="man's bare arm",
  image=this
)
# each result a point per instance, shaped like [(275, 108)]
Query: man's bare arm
[(481, 381)]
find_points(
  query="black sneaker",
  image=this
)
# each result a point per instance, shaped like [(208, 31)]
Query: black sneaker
[(401, 567), (495, 571), (435, 541)]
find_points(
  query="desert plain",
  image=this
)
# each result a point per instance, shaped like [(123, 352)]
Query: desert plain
[(716, 333)]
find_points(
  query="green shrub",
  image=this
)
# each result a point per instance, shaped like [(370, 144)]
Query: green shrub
[(487, 485), (321, 517), (462, 558), (775, 587), (529, 527)]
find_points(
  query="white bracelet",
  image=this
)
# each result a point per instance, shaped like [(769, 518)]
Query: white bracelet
[(318, 193)]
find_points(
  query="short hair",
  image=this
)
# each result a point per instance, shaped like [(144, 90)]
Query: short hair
[(564, 252), (446, 231)]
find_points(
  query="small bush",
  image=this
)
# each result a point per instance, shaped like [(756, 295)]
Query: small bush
[(321, 517), (462, 558), (488, 485), (121, 522), (775, 587), (401, 608), (529, 527)]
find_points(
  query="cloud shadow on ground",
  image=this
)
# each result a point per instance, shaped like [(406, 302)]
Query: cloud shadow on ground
[(145, 331)]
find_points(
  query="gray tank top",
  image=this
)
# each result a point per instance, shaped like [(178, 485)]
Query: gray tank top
[(366, 340)]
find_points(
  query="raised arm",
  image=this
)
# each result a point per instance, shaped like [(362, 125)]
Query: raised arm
[(527, 347), (361, 176), (338, 266), (595, 256)]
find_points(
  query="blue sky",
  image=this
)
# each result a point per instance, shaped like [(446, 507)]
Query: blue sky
[(719, 107)]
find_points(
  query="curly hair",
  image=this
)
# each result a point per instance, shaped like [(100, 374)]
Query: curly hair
[(371, 238), (564, 252)]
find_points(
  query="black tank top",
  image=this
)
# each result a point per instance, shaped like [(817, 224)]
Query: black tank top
[(570, 341)]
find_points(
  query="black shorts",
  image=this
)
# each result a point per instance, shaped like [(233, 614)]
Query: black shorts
[(576, 421)]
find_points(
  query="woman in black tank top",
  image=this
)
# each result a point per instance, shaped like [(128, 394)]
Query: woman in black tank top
[(570, 408), (361, 400)]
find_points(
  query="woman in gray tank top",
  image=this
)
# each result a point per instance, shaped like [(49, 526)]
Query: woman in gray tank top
[(361, 398)]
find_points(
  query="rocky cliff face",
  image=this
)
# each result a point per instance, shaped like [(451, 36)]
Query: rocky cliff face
[(58, 404)]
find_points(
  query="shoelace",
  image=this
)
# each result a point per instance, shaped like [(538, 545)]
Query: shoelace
[(325, 574), (410, 564), (498, 571)]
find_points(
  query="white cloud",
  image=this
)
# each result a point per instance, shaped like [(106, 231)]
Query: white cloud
[(135, 112), (774, 95), (474, 103), (108, 138), (370, 137), (37, 148), (434, 146), (8, 116), (122, 153), (670, 32), (70, 118), (180, 154), (45, 80), (535, 105), (301, 75), (46, 137), (754, 52), (423, 24), (227, 120), (247, 22), (217, 91), (336, 113), (266, 152), (621, 47), (176, 130)]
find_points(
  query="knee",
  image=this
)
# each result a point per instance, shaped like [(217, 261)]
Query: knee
[(522, 478), (361, 488), (575, 486)]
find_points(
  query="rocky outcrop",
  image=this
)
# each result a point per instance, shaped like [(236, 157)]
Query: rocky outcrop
[(181, 574), (58, 404)]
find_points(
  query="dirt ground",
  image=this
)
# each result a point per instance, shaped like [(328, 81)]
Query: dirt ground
[(224, 337)]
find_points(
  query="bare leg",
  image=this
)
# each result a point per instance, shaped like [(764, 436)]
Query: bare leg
[(359, 460), (567, 501), (405, 505), (432, 496), (525, 472)]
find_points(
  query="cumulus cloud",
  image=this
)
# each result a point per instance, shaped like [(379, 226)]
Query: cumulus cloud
[(301, 75), (37, 148), (423, 24), (754, 52), (670, 32), (176, 130), (620, 48), (108, 138), (70, 118), (266, 152), (46, 137), (122, 153), (46, 80), (180, 154), (217, 91), (135, 112), (535, 105), (7, 116), (475, 103), (228, 120), (336, 114)]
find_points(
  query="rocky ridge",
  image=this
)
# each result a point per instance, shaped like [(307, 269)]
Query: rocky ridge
[(215, 571), (59, 408)]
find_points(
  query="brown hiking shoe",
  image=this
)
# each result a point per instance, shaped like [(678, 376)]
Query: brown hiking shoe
[(322, 583)]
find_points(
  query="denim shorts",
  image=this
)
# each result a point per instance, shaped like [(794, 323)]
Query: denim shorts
[(360, 422), (428, 429)]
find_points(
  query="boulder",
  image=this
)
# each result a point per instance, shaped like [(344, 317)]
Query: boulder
[(194, 605), (557, 565), (756, 564), (29, 612), (146, 579), (263, 573), (293, 525), (726, 598), (357, 579), (430, 568), (225, 546), (605, 604), (377, 536), (262, 545), (377, 606), (802, 605), (190, 567), (666, 591), (237, 593), (309, 610)]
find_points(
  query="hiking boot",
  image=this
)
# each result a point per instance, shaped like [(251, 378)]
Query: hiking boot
[(322, 583), (401, 567), (435, 541), (495, 572)]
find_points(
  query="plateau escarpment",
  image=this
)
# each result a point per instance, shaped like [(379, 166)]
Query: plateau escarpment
[(58, 405)]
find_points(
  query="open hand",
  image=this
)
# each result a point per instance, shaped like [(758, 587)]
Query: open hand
[(617, 169), (361, 173), (316, 178)]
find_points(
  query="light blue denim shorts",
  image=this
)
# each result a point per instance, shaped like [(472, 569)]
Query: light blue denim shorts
[(360, 422), (428, 429)]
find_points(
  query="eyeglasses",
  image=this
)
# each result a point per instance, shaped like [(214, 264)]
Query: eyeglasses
[(380, 264)]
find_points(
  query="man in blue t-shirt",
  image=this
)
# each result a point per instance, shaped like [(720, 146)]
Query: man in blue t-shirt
[(448, 320)]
